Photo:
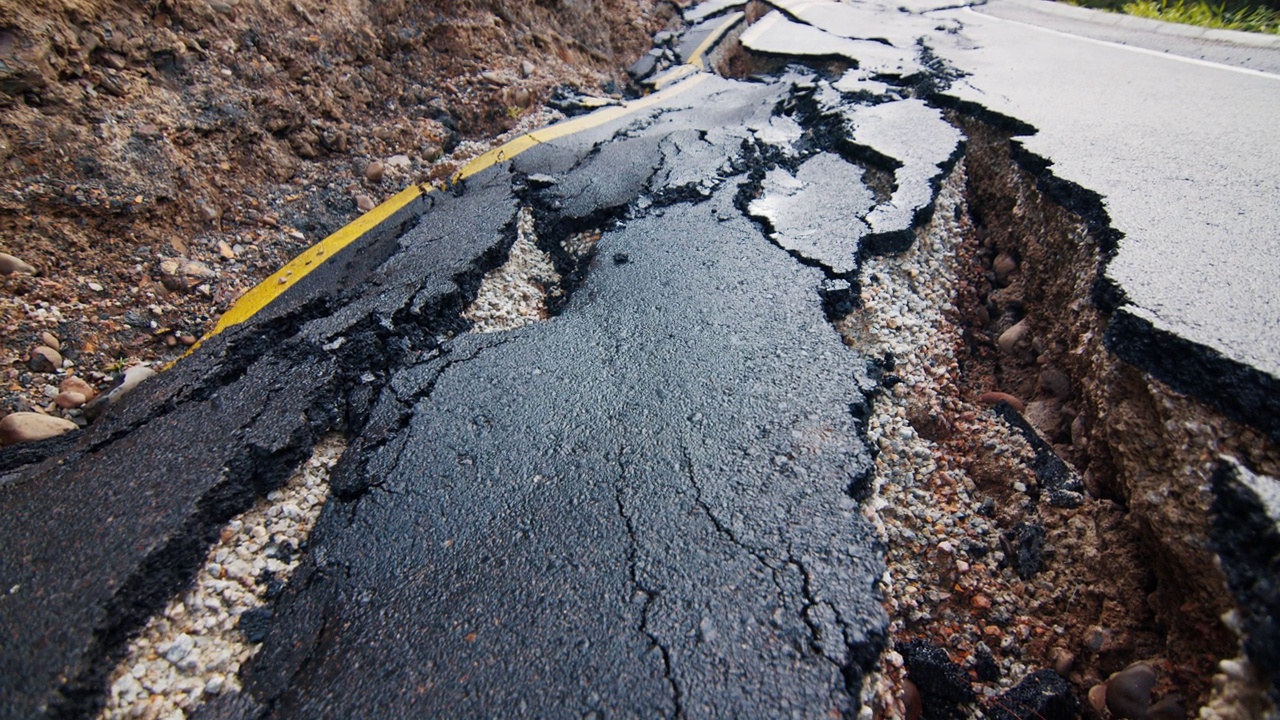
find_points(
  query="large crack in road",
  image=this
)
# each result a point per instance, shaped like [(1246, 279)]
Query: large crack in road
[(666, 486)]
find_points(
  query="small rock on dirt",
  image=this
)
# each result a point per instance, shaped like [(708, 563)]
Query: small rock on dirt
[(45, 359), (1129, 692), (77, 385), (23, 427), (365, 203), (1098, 698), (1014, 340), (50, 340), (375, 171), (68, 400), (1046, 416), (1004, 266), (1063, 661), (10, 264), (181, 274)]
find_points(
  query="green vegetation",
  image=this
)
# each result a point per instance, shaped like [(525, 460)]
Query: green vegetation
[(1199, 12), (1225, 15)]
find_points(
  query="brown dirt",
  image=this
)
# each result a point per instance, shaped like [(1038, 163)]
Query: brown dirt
[(235, 133), (1134, 579)]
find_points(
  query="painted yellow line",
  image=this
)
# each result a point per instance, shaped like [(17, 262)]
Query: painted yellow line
[(262, 294), (569, 127), (294, 270), (672, 75), (728, 22)]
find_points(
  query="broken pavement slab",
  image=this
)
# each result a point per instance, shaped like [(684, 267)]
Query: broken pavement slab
[(1154, 161), (776, 35), (697, 41), (817, 213)]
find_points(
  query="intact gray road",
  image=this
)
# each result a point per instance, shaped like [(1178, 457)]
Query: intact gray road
[(650, 503)]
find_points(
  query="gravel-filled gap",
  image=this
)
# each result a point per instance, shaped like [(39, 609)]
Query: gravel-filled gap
[(195, 647)]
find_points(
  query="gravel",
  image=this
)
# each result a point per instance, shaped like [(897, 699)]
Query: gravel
[(196, 646), (925, 505), (515, 294)]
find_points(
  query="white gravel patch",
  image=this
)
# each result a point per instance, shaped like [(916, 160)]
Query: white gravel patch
[(194, 648), (515, 294)]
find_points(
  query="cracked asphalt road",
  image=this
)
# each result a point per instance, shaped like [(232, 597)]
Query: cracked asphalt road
[(644, 506), (647, 505)]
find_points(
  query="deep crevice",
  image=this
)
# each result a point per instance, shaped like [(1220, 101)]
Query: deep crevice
[(1092, 416)]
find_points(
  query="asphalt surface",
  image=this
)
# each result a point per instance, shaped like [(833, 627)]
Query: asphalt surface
[(650, 503), (641, 507)]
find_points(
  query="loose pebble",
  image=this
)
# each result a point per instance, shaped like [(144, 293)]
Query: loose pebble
[(69, 399), (44, 359), (1129, 692), (1098, 698), (23, 427), (1012, 341), (10, 264), (75, 384)]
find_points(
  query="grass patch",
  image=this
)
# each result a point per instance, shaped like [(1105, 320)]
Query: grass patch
[(1225, 16), (1198, 12)]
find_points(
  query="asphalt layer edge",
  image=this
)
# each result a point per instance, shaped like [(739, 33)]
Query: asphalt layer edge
[(1238, 390)]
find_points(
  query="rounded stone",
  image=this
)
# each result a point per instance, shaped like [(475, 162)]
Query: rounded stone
[(10, 264), (44, 359), (1129, 692), (69, 399), (23, 427), (1013, 340), (78, 385)]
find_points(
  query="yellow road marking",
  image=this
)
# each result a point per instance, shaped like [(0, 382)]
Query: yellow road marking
[(728, 22), (569, 127), (262, 294), (286, 277)]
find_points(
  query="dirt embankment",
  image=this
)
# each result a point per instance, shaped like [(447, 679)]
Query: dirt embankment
[(159, 158)]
